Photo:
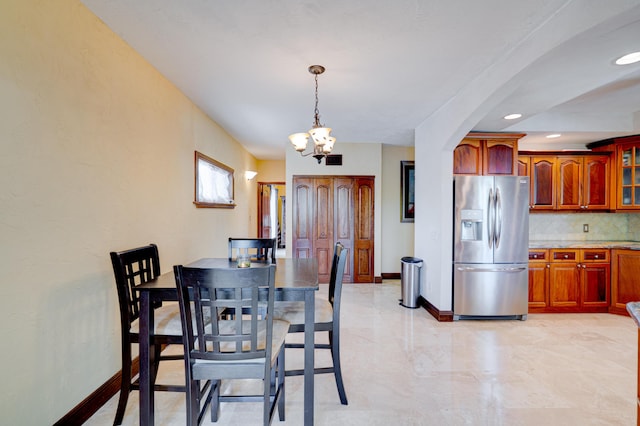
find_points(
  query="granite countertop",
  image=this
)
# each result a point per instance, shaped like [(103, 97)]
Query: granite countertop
[(634, 310), (632, 245)]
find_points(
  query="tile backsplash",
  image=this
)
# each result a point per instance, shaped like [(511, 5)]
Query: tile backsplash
[(567, 226)]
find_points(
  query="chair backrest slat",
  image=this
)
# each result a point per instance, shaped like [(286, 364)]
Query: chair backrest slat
[(214, 294), (258, 249), (132, 268)]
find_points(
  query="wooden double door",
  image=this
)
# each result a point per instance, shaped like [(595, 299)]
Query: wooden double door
[(330, 209)]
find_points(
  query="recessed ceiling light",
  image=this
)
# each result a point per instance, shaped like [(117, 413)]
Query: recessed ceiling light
[(512, 116), (630, 58), (553, 136)]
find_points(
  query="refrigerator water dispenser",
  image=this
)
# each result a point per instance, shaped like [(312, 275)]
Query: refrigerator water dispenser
[(471, 226)]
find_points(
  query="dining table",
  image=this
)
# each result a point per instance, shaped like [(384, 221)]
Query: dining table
[(296, 280)]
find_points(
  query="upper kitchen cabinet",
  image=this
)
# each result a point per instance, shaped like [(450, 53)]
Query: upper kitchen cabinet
[(583, 182), (625, 178), (542, 178), (628, 189), (566, 182), (487, 154)]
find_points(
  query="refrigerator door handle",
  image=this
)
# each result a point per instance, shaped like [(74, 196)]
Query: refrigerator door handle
[(491, 219), (492, 269), (498, 218)]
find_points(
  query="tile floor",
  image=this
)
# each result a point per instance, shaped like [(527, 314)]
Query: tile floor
[(402, 367)]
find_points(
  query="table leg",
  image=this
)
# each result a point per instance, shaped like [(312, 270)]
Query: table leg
[(146, 362), (309, 353)]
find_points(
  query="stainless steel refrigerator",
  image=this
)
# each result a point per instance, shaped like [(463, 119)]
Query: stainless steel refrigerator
[(490, 246)]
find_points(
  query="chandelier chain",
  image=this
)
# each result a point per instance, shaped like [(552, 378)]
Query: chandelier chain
[(316, 111)]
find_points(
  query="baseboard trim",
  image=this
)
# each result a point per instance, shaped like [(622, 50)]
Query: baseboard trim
[(91, 404), (442, 316), (377, 280), (391, 276)]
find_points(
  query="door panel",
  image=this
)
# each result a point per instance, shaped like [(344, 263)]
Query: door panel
[(303, 218), (364, 230), (265, 212), (323, 227), (343, 220)]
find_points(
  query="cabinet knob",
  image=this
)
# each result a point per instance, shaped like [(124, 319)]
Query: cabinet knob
[(548, 266), (566, 256), (595, 256)]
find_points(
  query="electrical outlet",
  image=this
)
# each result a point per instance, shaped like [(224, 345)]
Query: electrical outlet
[(585, 227)]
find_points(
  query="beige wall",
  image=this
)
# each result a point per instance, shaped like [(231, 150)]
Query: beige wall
[(97, 155), (271, 171), (398, 237)]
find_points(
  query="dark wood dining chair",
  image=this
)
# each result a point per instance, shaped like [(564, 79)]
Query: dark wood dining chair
[(258, 249), (131, 268), (249, 346), (327, 318)]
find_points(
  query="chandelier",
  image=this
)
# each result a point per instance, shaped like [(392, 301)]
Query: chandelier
[(321, 135)]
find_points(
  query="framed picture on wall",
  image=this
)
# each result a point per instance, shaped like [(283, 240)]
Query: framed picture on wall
[(407, 191), (213, 183)]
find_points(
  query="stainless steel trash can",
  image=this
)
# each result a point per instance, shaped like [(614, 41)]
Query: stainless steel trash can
[(410, 281)]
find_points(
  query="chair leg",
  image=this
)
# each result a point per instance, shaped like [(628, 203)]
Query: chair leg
[(125, 384), (267, 385), (280, 386), (334, 340), (193, 402), (215, 400)]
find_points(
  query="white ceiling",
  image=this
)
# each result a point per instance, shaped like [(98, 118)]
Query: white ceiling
[(391, 64)]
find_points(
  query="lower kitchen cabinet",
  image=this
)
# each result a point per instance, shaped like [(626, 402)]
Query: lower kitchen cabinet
[(569, 280), (564, 277), (625, 279), (538, 280)]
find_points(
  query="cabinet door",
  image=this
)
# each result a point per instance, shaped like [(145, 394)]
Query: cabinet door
[(538, 285), (595, 188), (499, 157), (542, 183), (625, 270), (564, 289), (628, 177), (568, 183), (524, 165), (467, 158), (595, 279)]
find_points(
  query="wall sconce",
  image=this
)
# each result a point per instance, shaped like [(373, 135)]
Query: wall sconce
[(250, 174)]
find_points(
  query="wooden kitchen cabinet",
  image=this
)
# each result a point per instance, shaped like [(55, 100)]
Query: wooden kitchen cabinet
[(541, 172), (625, 176), (538, 280), (487, 154), (595, 278), (567, 182), (628, 190), (579, 280), (564, 276), (625, 282), (582, 182)]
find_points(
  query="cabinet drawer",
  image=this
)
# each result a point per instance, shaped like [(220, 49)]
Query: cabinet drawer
[(599, 255), (541, 255), (564, 255)]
